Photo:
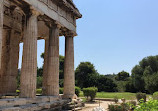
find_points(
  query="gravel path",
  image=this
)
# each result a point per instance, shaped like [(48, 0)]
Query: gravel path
[(89, 106)]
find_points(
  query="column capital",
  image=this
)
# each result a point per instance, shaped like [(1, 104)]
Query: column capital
[(70, 34), (52, 24), (34, 12)]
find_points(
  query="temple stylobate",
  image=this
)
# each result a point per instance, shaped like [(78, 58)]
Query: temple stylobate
[(26, 21)]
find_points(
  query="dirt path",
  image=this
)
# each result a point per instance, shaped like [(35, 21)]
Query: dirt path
[(90, 106)]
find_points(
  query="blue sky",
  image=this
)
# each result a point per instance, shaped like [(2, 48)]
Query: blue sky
[(113, 34)]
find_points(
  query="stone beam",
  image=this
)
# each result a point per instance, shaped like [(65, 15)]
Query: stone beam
[(53, 14)]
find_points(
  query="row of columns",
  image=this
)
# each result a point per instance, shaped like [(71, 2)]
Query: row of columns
[(9, 63), (51, 62)]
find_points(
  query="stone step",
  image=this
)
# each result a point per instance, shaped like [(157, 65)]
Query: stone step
[(45, 106), (76, 105), (77, 109), (23, 101)]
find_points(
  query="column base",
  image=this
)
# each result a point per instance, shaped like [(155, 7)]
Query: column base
[(71, 96)]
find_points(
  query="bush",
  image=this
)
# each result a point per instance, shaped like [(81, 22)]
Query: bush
[(39, 82), (77, 91), (39, 91), (116, 99), (132, 105), (61, 90), (90, 92), (115, 108), (155, 96), (151, 105), (122, 107), (141, 96)]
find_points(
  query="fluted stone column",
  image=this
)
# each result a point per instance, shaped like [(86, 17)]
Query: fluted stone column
[(4, 61), (45, 67), (69, 76), (1, 29), (12, 68), (29, 60), (1, 37), (52, 83)]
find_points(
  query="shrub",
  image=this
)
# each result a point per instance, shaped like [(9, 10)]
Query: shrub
[(39, 82), (18, 92), (132, 105), (141, 96), (114, 108), (122, 107), (116, 99), (61, 90), (155, 96), (151, 105), (123, 100), (90, 92), (39, 91), (77, 91)]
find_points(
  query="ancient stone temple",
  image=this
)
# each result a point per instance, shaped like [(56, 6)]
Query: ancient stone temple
[(26, 21)]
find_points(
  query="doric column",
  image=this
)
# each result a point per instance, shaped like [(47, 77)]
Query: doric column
[(45, 67), (69, 76), (29, 60), (12, 67), (52, 82), (1, 28), (4, 61)]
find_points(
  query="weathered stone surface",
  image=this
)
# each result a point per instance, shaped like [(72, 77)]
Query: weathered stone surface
[(19, 22), (45, 67), (48, 7), (69, 76), (52, 80), (27, 105), (1, 29), (29, 61), (12, 69)]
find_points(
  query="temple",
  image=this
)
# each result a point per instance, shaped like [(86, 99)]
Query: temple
[(26, 21)]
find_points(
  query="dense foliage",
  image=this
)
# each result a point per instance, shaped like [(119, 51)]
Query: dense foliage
[(141, 96), (151, 105), (143, 78), (145, 75), (90, 92), (87, 76), (117, 107), (122, 76), (155, 96)]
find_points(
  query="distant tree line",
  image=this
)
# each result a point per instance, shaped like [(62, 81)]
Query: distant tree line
[(143, 78)]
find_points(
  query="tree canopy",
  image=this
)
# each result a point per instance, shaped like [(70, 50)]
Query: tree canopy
[(145, 75)]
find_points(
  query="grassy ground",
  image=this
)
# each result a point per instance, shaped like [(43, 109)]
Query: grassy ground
[(126, 95)]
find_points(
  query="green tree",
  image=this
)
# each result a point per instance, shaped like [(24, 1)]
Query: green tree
[(61, 66), (151, 82), (122, 76), (84, 74), (137, 78), (145, 75), (105, 84)]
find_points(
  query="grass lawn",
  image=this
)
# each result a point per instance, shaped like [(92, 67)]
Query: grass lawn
[(126, 95)]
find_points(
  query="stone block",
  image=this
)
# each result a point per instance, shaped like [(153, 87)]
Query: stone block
[(53, 98), (3, 103), (11, 109)]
